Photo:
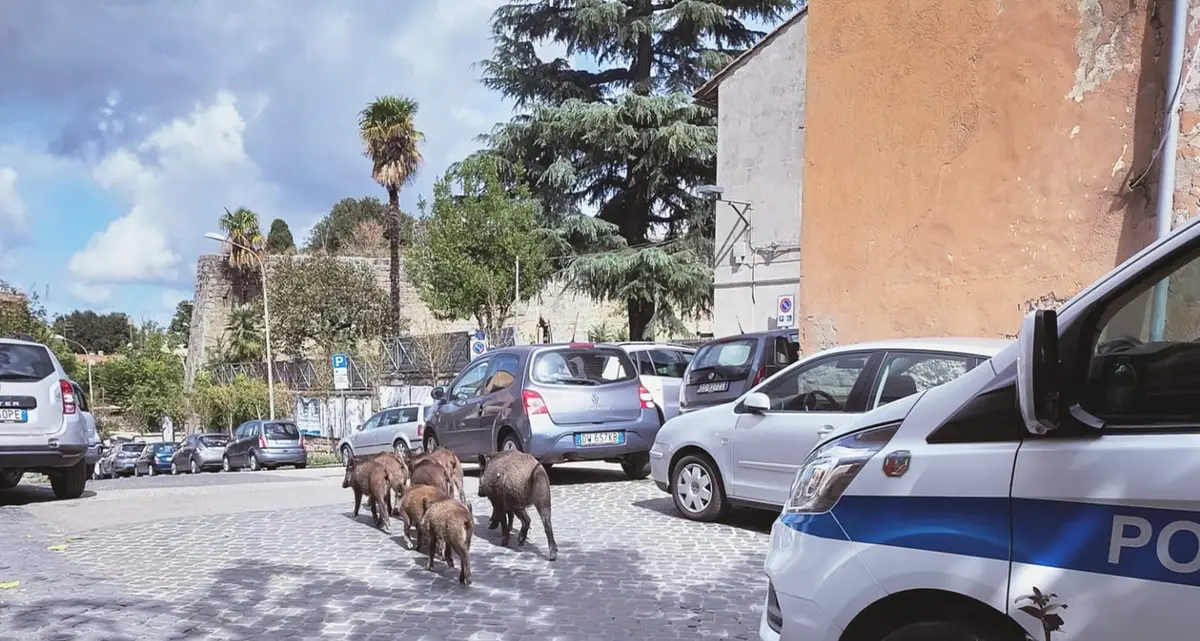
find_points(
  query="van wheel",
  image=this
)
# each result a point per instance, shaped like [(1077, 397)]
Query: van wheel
[(510, 444), (69, 483), (939, 631), (10, 478), (636, 466), (696, 489)]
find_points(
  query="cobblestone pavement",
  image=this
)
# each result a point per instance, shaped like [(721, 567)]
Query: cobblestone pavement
[(628, 568)]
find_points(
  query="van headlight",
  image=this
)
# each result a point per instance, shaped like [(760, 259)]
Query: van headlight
[(829, 469)]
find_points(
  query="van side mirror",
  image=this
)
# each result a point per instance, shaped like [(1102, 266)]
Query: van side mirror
[(438, 393), (1037, 371)]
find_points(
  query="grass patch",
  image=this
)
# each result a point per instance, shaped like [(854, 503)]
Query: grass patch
[(321, 459)]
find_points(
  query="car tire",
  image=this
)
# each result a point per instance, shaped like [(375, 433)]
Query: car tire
[(941, 631), (400, 447), (696, 474), (174, 468), (90, 472), (225, 464), (347, 454), (510, 443), (10, 478), (153, 470), (636, 466), (301, 466), (137, 472), (253, 463), (70, 482), (195, 467), (431, 441)]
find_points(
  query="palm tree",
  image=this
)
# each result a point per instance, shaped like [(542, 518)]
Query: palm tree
[(392, 143), (243, 335), (241, 227)]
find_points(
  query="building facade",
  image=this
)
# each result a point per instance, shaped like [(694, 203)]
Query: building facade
[(760, 103)]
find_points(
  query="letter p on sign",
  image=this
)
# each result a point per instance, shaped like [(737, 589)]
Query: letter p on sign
[(1118, 539)]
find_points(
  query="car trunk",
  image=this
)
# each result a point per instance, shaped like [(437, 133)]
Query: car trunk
[(587, 385), (31, 396), (281, 435), (720, 372), (212, 445)]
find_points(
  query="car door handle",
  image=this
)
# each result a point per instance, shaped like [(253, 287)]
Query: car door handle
[(824, 430)]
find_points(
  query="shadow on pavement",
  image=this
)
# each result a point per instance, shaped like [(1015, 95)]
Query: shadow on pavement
[(28, 494), (746, 519)]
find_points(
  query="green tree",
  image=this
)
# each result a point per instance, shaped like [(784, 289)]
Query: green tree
[(230, 405), (341, 230), (390, 139), (241, 227), (475, 233), (97, 332), (243, 339), (623, 138), (146, 381), (279, 239), (24, 314), (180, 328), (324, 303)]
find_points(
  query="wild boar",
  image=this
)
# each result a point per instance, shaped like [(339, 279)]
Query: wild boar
[(513, 481), (413, 506), (447, 459), (448, 525), (432, 473), (372, 478), (398, 472)]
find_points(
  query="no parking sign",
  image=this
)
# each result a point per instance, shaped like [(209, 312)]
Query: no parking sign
[(785, 311), (478, 343)]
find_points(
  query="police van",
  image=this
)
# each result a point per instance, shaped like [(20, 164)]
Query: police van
[(1052, 493)]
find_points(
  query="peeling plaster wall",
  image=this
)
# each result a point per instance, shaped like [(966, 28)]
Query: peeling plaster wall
[(968, 160)]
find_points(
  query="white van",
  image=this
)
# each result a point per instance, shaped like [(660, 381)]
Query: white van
[(1052, 493)]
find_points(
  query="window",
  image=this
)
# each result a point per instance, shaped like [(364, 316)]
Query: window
[(28, 363), (469, 383), (211, 440), (823, 386), (645, 366), (390, 417), (1145, 366), (583, 366), (80, 398), (406, 415), (906, 374), (372, 422), (666, 362), (281, 431), (786, 349), (504, 372)]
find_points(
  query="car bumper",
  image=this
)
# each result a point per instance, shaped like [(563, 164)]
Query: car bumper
[(291, 456), (209, 459), (553, 443), (42, 456), (163, 465), (123, 467), (660, 461), (94, 454)]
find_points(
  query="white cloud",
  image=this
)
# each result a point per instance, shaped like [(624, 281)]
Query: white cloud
[(14, 215), (176, 181), (171, 297), (91, 294)]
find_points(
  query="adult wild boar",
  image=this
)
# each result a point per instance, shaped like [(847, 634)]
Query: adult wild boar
[(372, 478), (513, 481)]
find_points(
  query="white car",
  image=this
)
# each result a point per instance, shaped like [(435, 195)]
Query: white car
[(661, 367), (397, 429), (747, 452)]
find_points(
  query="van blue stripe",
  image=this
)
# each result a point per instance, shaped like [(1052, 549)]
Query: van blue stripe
[(1060, 534)]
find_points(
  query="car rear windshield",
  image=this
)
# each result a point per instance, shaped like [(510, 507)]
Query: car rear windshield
[(407, 415), (583, 366), (164, 447), (735, 354), (281, 431), (133, 447), (214, 441), (24, 362)]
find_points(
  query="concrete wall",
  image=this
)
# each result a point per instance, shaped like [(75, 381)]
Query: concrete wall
[(760, 152), (969, 160)]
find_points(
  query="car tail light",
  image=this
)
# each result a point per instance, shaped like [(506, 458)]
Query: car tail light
[(534, 403), (420, 430), (581, 345), (301, 441), (759, 376), (68, 394), (646, 397), (262, 441)]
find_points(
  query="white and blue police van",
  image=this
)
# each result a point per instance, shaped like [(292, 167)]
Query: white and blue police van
[(1052, 493)]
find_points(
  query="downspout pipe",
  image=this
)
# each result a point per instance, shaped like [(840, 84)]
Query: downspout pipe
[(1165, 198)]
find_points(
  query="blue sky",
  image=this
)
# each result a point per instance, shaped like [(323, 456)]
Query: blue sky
[(127, 125)]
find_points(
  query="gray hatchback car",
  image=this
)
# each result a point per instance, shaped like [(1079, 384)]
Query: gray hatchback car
[(560, 403), (260, 444), (725, 368)]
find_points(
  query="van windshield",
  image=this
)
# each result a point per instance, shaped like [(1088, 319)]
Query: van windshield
[(583, 366)]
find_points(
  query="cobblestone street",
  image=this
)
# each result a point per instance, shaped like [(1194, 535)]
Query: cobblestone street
[(628, 567)]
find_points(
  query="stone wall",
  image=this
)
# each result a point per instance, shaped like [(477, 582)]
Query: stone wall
[(569, 314)]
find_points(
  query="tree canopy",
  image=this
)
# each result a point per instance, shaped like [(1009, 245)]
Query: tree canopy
[(23, 313), (355, 227), (180, 328), (97, 332), (244, 236), (279, 239), (324, 302), (146, 382)]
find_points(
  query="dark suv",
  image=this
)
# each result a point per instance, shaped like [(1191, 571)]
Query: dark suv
[(260, 444), (724, 369)]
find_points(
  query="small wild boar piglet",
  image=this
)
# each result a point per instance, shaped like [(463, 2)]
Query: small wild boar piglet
[(513, 481), (416, 501), (398, 472), (448, 460), (448, 524), (372, 478)]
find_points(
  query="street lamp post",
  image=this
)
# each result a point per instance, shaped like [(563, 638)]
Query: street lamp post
[(91, 397), (262, 268)]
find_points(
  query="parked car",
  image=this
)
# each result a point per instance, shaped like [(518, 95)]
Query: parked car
[(661, 367), (747, 452), (398, 429), (41, 426), (155, 459), (558, 402), (260, 444), (120, 460), (722, 370), (199, 452)]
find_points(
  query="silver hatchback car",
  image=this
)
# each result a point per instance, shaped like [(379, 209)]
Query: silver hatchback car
[(397, 429), (560, 403)]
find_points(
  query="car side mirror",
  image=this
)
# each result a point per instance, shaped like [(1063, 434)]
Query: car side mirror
[(756, 403), (438, 393), (1037, 371)]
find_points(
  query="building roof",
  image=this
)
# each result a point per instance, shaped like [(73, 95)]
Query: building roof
[(707, 93)]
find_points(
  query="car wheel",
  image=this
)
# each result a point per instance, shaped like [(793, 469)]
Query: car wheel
[(346, 455), (510, 443), (225, 465), (696, 489), (400, 447), (153, 470), (431, 441), (70, 482), (137, 472), (940, 631), (174, 468), (636, 466), (195, 467), (10, 478), (254, 466)]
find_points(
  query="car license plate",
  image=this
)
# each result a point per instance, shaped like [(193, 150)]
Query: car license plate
[(599, 438), (708, 388), (14, 416)]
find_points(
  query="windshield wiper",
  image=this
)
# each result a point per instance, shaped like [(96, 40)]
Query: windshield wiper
[(575, 381)]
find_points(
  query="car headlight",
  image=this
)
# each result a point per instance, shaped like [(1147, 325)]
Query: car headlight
[(829, 469)]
